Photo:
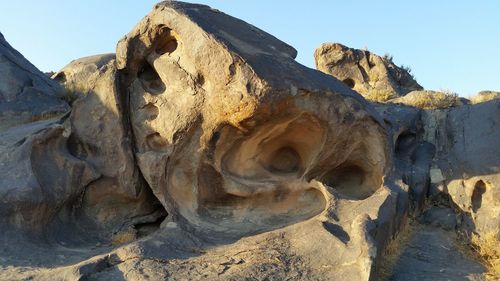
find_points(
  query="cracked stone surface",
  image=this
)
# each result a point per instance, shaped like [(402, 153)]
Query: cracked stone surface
[(202, 150)]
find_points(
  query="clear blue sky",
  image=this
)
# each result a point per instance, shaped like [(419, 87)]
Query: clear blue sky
[(449, 44)]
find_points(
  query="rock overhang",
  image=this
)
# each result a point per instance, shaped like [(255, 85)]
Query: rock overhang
[(254, 121)]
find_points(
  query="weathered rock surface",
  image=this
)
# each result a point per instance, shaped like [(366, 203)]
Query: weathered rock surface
[(376, 78), (26, 94), (234, 138), (440, 217), (432, 255), (101, 136), (204, 151), (256, 126), (468, 158), (38, 175)]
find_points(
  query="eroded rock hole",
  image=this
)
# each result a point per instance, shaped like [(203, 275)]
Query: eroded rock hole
[(477, 195), (285, 160), (76, 147), (144, 229), (200, 79), (156, 142), (210, 183), (166, 42), (405, 143), (151, 111), (150, 80), (60, 77), (349, 82), (349, 180)]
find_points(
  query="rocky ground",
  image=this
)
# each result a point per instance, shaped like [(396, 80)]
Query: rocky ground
[(202, 150)]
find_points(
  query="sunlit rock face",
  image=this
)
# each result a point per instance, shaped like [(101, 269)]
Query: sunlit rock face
[(207, 125), (230, 131), (203, 150), (376, 78), (466, 166)]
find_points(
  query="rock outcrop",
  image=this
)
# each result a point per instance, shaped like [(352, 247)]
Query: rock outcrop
[(203, 150), (26, 94), (376, 78), (467, 162)]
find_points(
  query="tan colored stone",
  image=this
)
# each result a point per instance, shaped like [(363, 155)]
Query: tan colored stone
[(376, 78), (264, 168)]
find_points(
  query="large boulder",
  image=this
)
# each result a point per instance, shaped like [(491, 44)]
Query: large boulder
[(203, 150), (376, 78), (26, 94), (235, 139), (100, 135), (38, 175)]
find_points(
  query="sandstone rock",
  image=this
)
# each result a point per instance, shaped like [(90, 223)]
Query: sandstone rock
[(458, 157), (468, 156), (234, 138), (376, 78), (412, 152), (244, 123), (101, 136), (38, 175), (269, 141), (204, 151), (26, 94)]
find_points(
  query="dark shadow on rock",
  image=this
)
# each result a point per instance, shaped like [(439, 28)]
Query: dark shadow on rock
[(337, 231)]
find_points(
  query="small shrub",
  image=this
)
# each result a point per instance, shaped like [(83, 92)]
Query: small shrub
[(407, 69), (123, 236), (484, 96), (380, 96), (488, 248), (394, 249), (388, 56), (429, 99)]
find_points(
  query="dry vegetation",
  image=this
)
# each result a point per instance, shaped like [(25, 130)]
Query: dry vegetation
[(394, 249), (123, 236), (484, 96), (429, 99), (487, 248), (484, 248), (379, 96)]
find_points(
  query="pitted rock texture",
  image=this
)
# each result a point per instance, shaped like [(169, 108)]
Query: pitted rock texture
[(258, 126), (100, 135), (203, 151), (376, 78)]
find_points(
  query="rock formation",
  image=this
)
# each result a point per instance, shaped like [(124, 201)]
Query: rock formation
[(203, 150), (26, 94), (376, 78)]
